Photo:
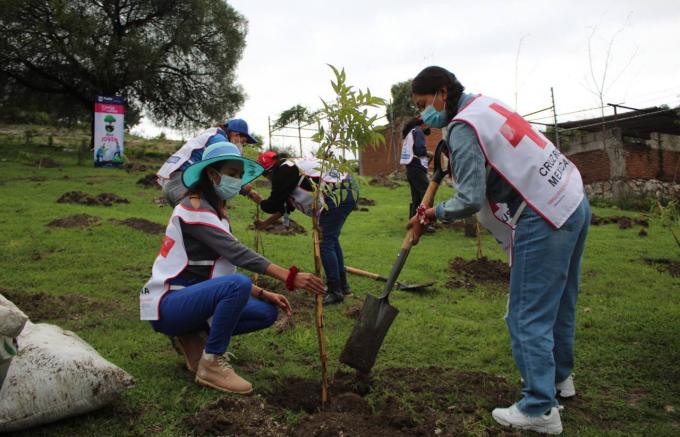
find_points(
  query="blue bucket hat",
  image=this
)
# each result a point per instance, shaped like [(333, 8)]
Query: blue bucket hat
[(222, 151), (239, 125)]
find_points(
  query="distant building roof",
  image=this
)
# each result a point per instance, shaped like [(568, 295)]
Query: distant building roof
[(638, 123)]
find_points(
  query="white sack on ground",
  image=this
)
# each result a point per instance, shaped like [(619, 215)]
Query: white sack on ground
[(56, 375)]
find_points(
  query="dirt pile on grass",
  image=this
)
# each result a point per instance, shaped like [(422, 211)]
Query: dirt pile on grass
[(135, 167), (75, 221), (244, 416), (404, 402), (85, 311), (467, 273), (664, 264), (365, 202), (262, 183), (141, 225), (278, 228), (623, 222), (103, 199), (383, 181), (46, 163), (149, 181)]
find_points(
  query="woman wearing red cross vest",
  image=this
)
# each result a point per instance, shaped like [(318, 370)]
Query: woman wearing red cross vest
[(531, 198), (194, 286)]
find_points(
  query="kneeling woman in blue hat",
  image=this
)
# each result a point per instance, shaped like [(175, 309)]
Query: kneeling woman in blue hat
[(194, 286)]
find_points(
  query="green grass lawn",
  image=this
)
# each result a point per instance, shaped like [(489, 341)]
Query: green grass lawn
[(628, 343)]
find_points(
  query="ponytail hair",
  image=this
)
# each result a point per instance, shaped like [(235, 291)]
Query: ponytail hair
[(432, 79)]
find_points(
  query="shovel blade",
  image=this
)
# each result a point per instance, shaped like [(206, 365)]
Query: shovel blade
[(363, 344)]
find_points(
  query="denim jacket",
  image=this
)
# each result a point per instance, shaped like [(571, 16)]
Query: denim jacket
[(468, 167)]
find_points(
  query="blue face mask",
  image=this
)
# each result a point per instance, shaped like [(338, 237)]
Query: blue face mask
[(432, 117), (228, 187)]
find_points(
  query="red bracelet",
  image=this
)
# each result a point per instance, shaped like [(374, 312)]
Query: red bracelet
[(422, 216), (290, 280)]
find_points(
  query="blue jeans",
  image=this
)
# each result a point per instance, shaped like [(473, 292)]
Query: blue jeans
[(331, 221), (544, 284), (226, 299)]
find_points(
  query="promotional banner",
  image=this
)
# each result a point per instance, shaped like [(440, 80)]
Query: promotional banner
[(108, 131)]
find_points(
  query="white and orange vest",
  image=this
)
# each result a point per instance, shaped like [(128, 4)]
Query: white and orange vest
[(310, 167), (548, 182), (181, 156), (407, 151), (172, 258)]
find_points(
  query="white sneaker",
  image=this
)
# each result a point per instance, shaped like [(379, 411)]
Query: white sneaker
[(566, 388), (545, 424)]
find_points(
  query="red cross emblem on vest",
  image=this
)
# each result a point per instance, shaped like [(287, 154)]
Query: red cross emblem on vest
[(515, 127)]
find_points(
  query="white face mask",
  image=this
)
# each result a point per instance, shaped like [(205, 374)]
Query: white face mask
[(228, 187)]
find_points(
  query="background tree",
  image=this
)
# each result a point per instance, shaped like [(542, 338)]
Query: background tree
[(298, 115), (176, 59), (401, 105)]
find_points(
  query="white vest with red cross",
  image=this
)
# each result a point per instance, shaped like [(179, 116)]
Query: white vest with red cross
[(184, 153), (172, 258), (310, 167), (547, 181)]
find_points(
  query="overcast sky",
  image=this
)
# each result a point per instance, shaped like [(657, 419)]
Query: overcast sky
[(512, 50)]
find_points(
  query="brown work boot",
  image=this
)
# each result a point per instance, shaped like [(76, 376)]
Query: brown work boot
[(191, 347), (216, 372)]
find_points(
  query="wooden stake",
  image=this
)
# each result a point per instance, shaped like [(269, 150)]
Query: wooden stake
[(319, 304), (259, 245), (479, 239)]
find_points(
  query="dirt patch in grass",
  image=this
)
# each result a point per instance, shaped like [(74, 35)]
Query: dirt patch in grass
[(352, 312), (278, 228), (47, 163), (78, 197), (623, 222), (141, 225), (365, 202), (149, 181), (382, 181), (262, 183), (42, 307), (405, 402), (135, 167), (302, 303), (244, 416), (466, 273), (75, 221), (664, 264)]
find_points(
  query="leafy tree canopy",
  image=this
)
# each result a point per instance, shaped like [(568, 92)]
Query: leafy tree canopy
[(401, 105), (297, 114), (176, 59)]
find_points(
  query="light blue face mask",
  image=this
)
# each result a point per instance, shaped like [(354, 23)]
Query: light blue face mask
[(228, 187), (432, 117)]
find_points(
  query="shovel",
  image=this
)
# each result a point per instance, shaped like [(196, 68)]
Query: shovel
[(377, 314), (377, 277)]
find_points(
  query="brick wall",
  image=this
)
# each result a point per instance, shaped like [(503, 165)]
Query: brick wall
[(593, 165), (671, 166), (641, 162), (384, 159)]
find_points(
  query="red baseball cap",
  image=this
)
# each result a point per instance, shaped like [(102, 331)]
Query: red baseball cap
[(267, 159)]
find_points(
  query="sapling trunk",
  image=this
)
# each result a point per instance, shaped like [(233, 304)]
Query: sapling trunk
[(319, 299), (479, 239)]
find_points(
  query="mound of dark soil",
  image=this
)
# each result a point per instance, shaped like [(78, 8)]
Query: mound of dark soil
[(352, 312), (75, 221), (365, 202), (623, 222), (665, 264), (278, 228), (46, 163), (468, 272), (43, 307), (382, 181), (262, 183), (243, 416), (149, 181), (141, 225), (78, 197), (135, 167)]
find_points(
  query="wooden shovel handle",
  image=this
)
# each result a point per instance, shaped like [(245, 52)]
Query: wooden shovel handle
[(364, 273), (428, 198)]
